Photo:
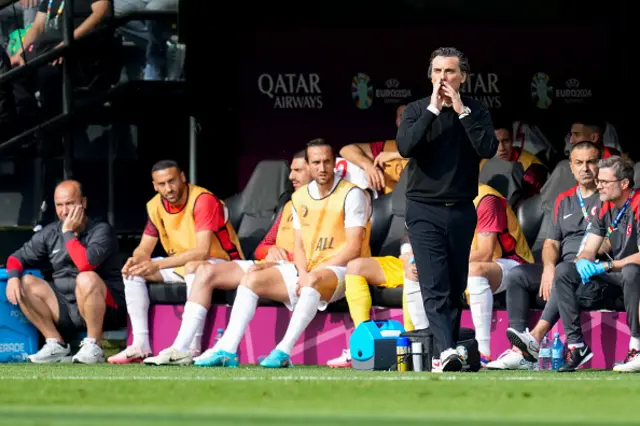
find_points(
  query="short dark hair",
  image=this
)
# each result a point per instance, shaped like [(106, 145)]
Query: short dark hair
[(503, 126), (621, 165), (502, 120), (592, 122), (587, 145), (451, 52), (300, 154), (317, 143), (165, 164)]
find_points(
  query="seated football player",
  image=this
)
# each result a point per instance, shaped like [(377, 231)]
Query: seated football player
[(497, 247), (387, 272), (191, 224), (535, 173), (331, 221), (275, 248)]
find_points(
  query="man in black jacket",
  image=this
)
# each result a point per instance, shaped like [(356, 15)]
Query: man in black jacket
[(445, 137), (87, 288)]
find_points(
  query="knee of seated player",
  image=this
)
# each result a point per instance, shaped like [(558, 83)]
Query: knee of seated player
[(631, 276), (34, 287), (321, 280), (565, 272), (205, 275), (192, 267), (479, 269), (357, 266), (631, 281), (253, 281), (88, 282), (515, 278)]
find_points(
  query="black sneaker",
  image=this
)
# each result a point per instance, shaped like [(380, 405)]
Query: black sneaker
[(575, 358)]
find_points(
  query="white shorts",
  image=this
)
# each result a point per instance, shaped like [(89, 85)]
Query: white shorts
[(506, 265), (290, 277), (244, 264), (169, 276)]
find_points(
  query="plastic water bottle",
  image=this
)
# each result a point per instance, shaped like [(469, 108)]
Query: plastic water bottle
[(219, 335), (557, 349), (544, 356)]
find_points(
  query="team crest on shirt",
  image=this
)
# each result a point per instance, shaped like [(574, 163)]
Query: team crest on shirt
[(593, 210), (628, 229)]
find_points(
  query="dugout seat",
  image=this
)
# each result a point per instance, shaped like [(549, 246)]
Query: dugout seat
[(20, 192), (388, 219), (505, 177), (380, 221), (253, 211), (530, 218)]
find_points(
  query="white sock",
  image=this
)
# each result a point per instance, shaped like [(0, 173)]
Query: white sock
[(243, 310), (415, 304), (197, 336), (188, 279), (481, 305), (304, 312), (193, 319), (137, 297), (634, 343)]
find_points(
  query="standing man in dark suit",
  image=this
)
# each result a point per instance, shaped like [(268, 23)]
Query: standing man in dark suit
[(445, 137)]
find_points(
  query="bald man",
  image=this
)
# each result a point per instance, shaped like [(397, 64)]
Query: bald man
[(86, 290)]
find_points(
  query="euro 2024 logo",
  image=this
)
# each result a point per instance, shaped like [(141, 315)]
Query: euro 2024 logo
[(362, 90), (541, 90)]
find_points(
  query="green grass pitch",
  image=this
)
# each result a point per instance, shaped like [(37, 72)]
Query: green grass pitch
[(140, 395)]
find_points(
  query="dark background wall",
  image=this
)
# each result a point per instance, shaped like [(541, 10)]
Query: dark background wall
[(568, 41), (232, 44)]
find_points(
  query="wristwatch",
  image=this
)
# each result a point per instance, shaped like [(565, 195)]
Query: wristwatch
[(465, 111), (608, 266)]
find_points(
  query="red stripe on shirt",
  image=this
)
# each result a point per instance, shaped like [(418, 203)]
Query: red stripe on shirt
[(566, 194), (492, 217), (150, 229), (14, 264), (269, 240), (376, 148), (78, 254), (534, 179), (109, 300), (208, 213)]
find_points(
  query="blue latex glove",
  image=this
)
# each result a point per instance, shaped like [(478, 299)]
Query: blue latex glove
[(412, 260), (588, 269)]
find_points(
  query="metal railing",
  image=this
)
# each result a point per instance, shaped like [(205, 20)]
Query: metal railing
[(70, 47)]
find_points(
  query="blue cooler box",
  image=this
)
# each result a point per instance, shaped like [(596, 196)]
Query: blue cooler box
[(373, 345), (18, 337)]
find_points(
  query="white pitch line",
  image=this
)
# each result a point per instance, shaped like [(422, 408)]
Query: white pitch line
[(426, 377)]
